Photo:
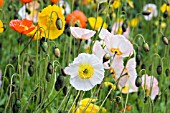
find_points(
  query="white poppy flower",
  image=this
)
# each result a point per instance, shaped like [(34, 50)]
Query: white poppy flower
[(86, 71), (152, 8)]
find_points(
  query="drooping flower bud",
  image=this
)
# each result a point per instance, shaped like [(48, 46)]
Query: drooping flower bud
[(56, 52), (31, 70), (165, 40), (50, 68), (44, 46), (159, 69), (59, 83), (138, 81), (59, 24), (106, 57), (146, 47)]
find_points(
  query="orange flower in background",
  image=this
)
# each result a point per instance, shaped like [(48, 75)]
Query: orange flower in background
[(54, 1), (1, 2), (22, 26), (77, 17), (26, 1)]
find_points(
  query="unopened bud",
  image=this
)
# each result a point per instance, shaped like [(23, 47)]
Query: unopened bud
[(124, 26), (167, 72), (146, 47), (56, 52), (159, 70), (106, 57), (50, 68), (138, 81), (59, 24), (31, 70), (44, 46), (165, 40)]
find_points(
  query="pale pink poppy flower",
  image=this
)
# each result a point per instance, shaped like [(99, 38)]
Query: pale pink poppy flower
[(29, 11), (117, 29), (85, 72), (129, 75), (104, 33), (118, 45), (81, 33), (100, 53), (150, 84)]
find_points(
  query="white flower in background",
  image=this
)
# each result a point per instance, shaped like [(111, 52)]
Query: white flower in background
[(152, 8), (85, 72), (82, 33), (118, 45), (127, 81), (65, 6), (102, 1), (150, 84), (29, 11)]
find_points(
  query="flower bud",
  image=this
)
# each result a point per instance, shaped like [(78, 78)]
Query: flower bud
[(165, 14), (59, 83), (138, 81), (159, 69), (31, 70), (118, 99), (124, 26), (106, 57), (59, 24), (44, 46), (56, 52), (165, 40), (50, 68), (167, 72), (146, 47)]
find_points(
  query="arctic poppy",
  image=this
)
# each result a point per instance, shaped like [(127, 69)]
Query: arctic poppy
[(26, 1), (22, 26), (77, 18)]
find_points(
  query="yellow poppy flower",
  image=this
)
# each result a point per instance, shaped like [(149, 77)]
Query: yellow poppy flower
[(91, 108), (1, 27), (134, 22), (164, 8), (116, 4), (92, 21), (48, 19)]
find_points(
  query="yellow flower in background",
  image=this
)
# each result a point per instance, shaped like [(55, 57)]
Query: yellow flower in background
[(162, 25), (116, 4), (1, 26), (89, 106), (52, 20), (99, 22), (164, 8), (134, 22), (109, 84)]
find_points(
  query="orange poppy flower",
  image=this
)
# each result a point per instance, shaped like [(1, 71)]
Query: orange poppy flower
[(22, 26), (54, 1), (77, 17), (26, 1), (1, 2)]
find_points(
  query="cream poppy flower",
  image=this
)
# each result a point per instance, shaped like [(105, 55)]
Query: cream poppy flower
[(81, 33), (152, 8), (150, 84), (104, 33), (86, 71), (65, 6), (118, 45), (127, 82)]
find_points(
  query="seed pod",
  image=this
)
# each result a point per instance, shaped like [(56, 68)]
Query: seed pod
[(167, 72), (44, 46), (146, 47), (50, 68), (106, 57), (165, 40), (124, 26), (138, 81), (159, 69), (118, 99), (31, 70), (59, 24), (56, 52), (146, 13), (165, 14), (65, 90)]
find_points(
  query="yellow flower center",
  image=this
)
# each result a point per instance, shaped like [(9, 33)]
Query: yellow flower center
[(150, 9), (116, 51), (125, 89), (113, 73), (85, 71)]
